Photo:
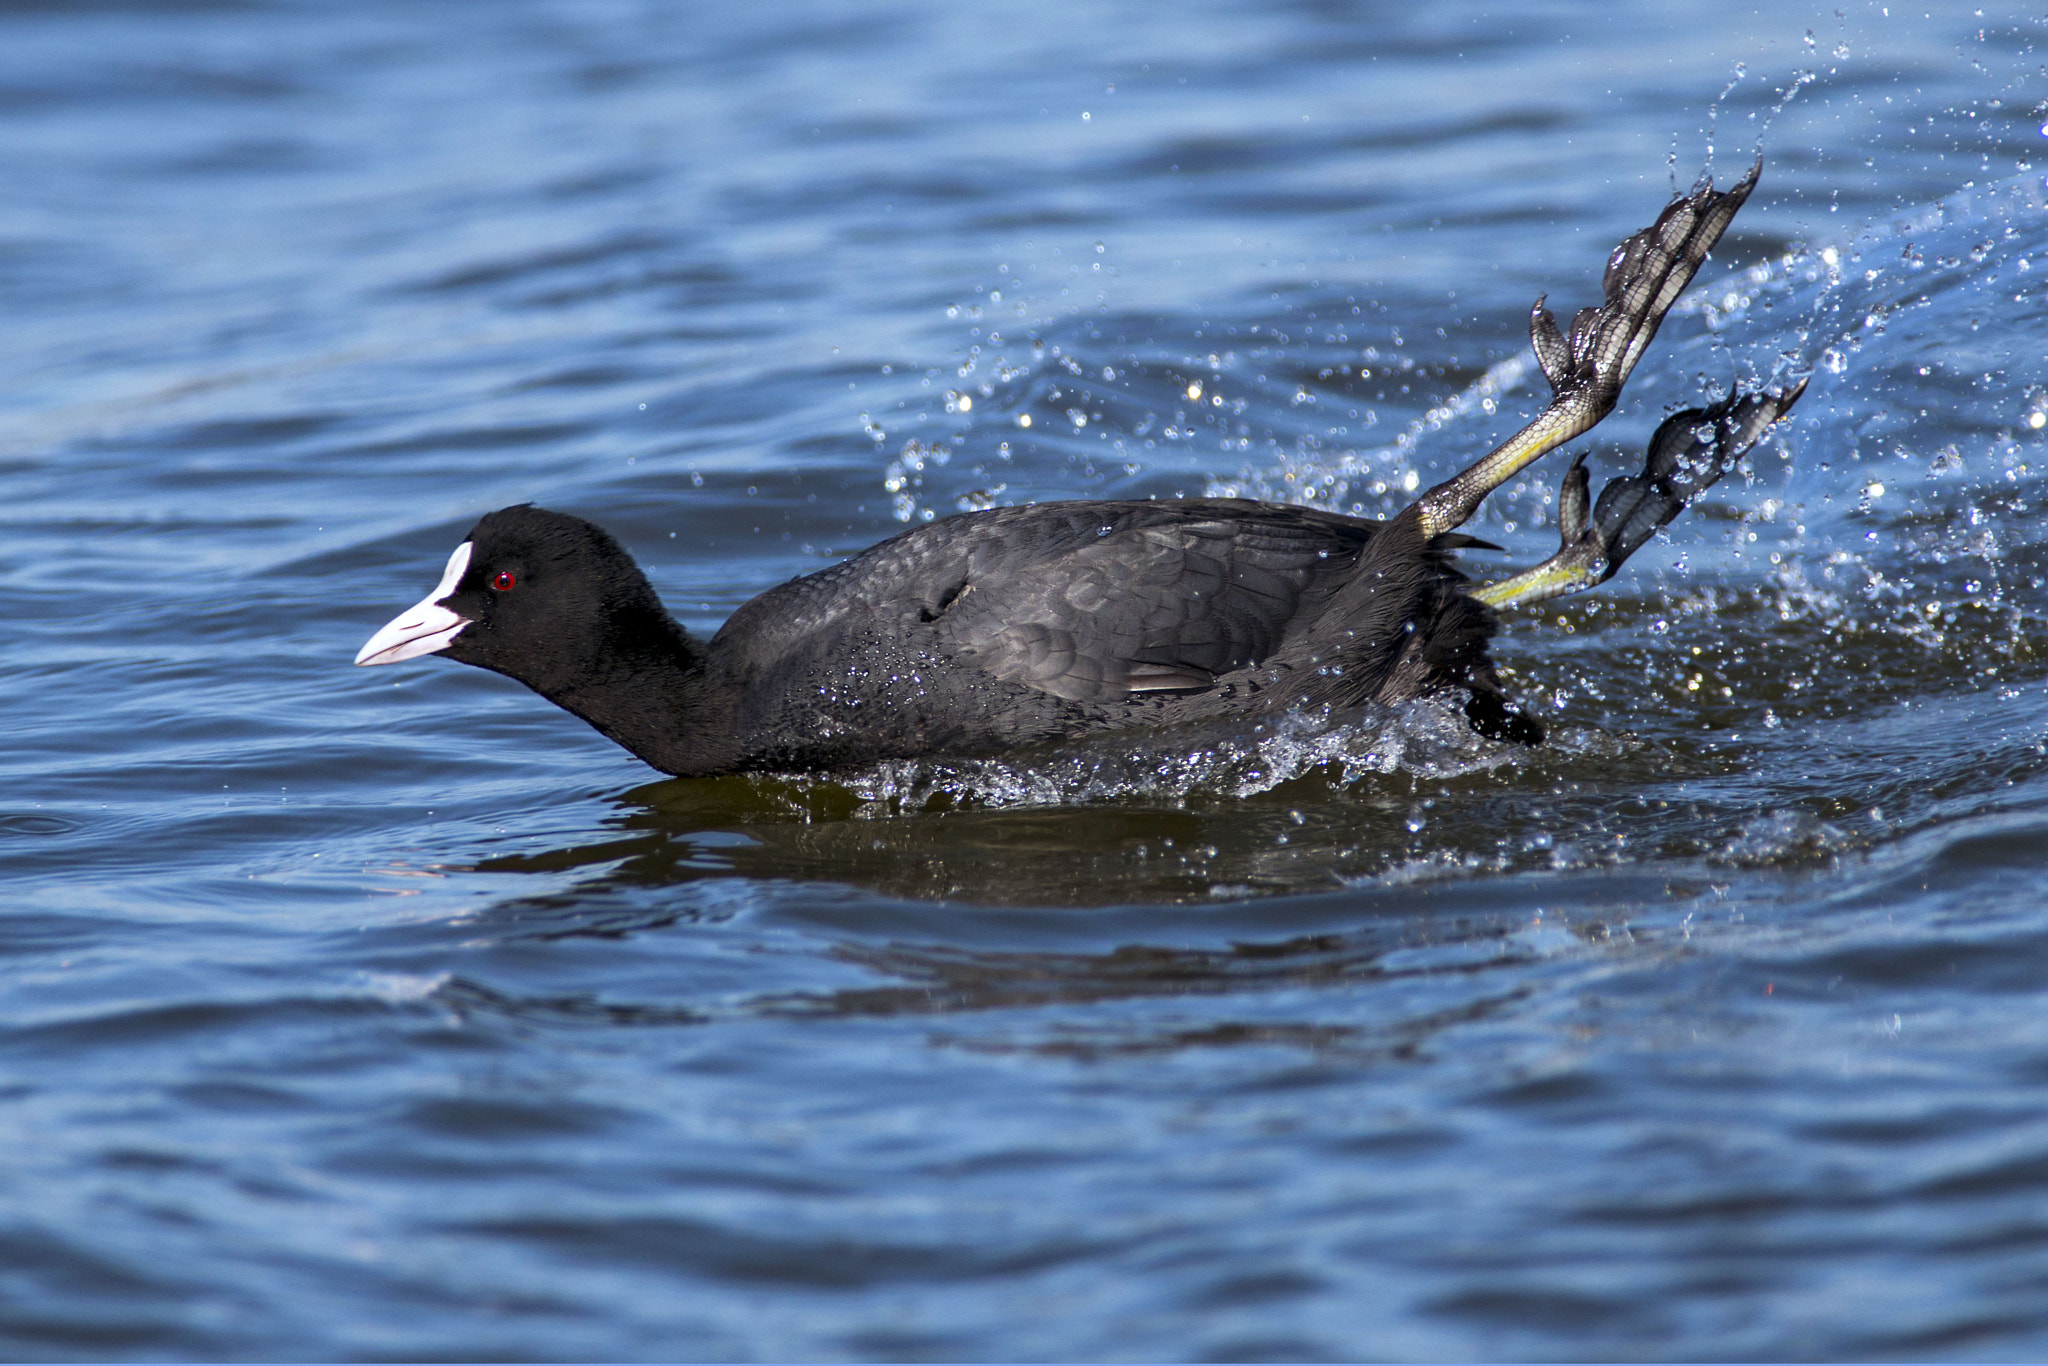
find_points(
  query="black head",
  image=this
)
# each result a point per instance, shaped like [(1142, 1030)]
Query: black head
[(544, 597)]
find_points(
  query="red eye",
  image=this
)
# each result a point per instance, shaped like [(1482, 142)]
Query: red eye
[(503, 581)]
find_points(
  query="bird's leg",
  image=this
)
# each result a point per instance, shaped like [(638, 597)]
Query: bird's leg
[(1644, 277), (1689, 452)]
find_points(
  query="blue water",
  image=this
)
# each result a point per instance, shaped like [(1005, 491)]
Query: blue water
[(393, 1013)]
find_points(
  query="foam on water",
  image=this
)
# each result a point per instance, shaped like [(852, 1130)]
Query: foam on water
[(1423, 738)]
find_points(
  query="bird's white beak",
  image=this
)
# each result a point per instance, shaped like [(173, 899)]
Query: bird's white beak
[(424, 627)]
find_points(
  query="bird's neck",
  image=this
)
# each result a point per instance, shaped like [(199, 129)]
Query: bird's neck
[(648, 688)]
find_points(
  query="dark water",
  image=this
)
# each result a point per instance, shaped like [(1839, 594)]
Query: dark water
[(355, 1013)]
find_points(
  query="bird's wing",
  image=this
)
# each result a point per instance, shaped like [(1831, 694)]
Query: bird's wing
[(1150, 601)]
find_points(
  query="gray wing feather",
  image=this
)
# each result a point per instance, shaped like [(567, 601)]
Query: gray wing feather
[(1150, 608), (1086, 601)]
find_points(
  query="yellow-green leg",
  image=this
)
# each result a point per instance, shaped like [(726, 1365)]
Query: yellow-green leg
[(1690, 451), (1644, 277)]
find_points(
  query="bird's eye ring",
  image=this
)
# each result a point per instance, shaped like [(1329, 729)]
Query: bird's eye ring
[(503, 580)]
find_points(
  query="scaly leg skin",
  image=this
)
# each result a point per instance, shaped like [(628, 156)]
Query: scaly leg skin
[(1644, 277), (1689, 452)]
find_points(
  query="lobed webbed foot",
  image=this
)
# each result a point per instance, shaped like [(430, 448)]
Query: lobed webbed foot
[(1688, 454), (1644, 277)]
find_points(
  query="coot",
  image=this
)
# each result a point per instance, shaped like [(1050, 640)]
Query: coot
[(996, 630)]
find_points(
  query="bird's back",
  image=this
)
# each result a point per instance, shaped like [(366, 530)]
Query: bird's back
[(992, 629)]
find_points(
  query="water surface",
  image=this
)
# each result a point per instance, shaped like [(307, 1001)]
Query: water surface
[(393, 1013)]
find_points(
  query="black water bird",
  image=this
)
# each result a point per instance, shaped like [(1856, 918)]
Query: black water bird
[(998, 630)]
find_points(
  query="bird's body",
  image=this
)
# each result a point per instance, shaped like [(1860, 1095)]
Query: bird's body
[(999, 630), (989, 631)]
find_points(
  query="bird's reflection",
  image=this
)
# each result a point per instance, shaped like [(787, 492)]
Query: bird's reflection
[(1308, 834)]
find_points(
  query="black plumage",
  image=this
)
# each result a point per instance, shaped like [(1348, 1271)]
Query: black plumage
[(985, 632), (994, 631)]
